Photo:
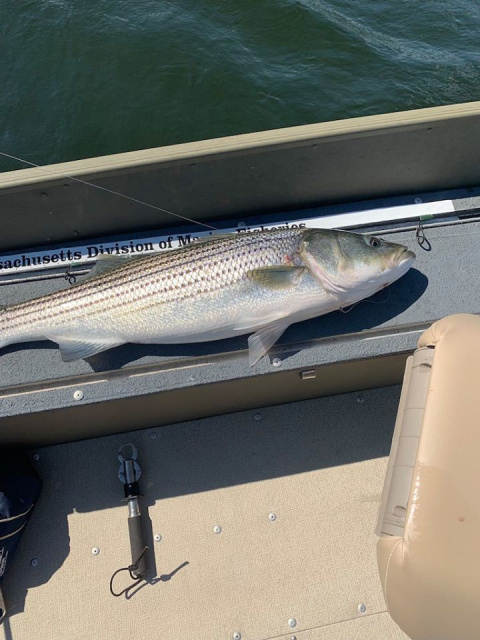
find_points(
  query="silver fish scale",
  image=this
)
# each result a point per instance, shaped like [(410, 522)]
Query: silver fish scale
[(170, 277)]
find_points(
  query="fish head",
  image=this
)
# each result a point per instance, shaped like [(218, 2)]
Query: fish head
[(353, 266)]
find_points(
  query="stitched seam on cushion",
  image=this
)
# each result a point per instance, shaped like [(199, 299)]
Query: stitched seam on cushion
[(14, 533), (386, 571), (16, 517)]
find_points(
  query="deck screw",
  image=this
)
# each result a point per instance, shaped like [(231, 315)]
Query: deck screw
[(272, 517), (157, 537), (34, 562), (217, 529), (360, 399), (362, 608), (237, 635), (36, 457), (277, 362), (153, 435), (95, 551), (78, 394), (257, 416), (292, 622)]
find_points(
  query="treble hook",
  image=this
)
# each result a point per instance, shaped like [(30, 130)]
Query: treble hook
[(422, 240)]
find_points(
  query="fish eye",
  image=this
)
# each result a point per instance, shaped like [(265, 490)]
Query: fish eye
[(375, 242)]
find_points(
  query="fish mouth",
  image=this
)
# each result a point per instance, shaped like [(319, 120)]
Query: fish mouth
[(404, 256)]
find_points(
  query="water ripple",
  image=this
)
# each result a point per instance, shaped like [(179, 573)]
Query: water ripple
[(90, 77)]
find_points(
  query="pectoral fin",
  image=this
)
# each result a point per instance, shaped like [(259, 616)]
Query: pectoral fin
[(278, 276), (263, 340), (77, 348)]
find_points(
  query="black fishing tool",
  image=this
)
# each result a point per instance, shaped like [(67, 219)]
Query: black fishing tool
[(129, 474)]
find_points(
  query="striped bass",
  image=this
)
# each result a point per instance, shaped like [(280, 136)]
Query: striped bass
[(251, 283)]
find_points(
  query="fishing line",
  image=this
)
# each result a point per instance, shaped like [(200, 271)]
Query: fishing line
[(348, 309), (208, 226), (115, 193), (378, 301)]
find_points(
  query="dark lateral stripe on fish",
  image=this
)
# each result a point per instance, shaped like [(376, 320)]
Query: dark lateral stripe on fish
[(124, 274), (126, 277)]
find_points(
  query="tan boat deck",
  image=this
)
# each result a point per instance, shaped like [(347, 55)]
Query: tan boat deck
[(318, 465)]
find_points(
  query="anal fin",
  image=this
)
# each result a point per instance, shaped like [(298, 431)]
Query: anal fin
[(77, 348)]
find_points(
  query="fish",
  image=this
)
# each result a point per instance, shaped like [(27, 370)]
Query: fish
[(256, 283)]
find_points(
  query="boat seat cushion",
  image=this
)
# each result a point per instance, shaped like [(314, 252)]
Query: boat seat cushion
[(431, 573)]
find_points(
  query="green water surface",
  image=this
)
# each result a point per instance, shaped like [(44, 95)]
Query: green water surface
[(81, 78)]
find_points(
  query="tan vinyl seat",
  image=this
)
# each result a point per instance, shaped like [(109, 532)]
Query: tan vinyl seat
[(429, 520)]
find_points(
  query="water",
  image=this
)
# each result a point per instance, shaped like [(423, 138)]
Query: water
[(82, 78)]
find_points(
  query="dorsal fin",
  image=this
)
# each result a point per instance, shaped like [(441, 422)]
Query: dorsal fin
[(107, 263), (215, 236)]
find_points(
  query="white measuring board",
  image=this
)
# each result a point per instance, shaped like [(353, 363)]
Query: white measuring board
[(31, 260)]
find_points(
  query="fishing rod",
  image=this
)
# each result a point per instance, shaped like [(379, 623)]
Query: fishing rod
[(111, 191)]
